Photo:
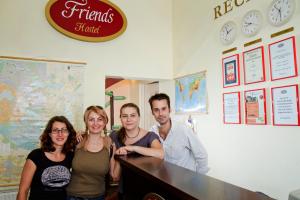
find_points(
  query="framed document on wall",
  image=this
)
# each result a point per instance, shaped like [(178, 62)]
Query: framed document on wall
[(254, 65), (255, 106), (231, 71), (231, 108), (283, 61), (285, 106)]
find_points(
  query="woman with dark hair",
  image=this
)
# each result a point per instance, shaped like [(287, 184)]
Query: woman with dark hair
[(131, 138), (47, 169), (91, 160)]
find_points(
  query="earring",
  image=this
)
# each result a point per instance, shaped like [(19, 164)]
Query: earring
[(103, 133)]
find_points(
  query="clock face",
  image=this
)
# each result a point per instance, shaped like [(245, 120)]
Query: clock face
[(280, 11), (251, 22), (228, 32)]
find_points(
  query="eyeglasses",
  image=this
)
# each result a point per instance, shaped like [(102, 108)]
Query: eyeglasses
[(63, 131)]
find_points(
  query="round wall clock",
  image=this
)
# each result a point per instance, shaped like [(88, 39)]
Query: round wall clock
[(251, 22), (280, 11), (228, 32)]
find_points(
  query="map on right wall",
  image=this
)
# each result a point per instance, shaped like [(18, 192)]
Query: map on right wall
[(191, 94)]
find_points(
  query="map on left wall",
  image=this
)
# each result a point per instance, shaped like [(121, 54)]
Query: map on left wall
[(31, 92)]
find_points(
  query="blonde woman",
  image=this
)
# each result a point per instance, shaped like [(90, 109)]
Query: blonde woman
[(91, 160)]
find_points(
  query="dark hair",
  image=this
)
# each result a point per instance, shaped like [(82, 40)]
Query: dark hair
[(159, 96), (122, 132), (45, 139)]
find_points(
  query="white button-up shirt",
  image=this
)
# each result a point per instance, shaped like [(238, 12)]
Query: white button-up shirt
[(183, 148)]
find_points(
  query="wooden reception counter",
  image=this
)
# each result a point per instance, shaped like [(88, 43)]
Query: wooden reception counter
[(142, 175)]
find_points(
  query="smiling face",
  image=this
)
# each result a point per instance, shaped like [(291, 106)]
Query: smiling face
[(95, 122), (130, 118), (59, 134), (161, 111)]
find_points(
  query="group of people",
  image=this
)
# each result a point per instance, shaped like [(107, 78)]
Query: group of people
[(63, 169)]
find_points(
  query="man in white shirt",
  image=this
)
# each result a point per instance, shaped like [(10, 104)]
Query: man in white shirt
[(181, 145)]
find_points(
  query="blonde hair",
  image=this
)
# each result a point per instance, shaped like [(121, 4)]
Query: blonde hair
[(100, 111)]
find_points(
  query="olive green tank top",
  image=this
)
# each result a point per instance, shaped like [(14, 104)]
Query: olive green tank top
[(88, 173)]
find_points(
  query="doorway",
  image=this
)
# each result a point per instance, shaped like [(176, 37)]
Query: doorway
[(119, 91)]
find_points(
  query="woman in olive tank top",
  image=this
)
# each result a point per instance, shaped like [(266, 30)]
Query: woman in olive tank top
[(91, 160)]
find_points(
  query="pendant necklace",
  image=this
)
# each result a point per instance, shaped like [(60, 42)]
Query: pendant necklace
[(133, 136)]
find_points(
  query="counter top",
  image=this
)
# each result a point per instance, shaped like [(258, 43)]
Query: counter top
[(167, 178)]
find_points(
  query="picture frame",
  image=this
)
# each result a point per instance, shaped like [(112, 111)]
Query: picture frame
[(231, 108), (191, 94), (283, 59), (255, 106), (285, 105), (231, 71), (254, 65)]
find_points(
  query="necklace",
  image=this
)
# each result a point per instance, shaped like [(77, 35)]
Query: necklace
[(133, 136)]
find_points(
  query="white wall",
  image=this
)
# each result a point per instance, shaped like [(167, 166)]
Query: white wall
[(260, 158), (264, 158), (143, 50), (146, 91)]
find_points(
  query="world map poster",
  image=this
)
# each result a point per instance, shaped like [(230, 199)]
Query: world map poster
[(191, 94), (31, 92)]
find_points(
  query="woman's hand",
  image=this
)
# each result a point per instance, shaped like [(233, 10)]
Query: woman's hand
[(129, 148), (123, 150), (79, 137)]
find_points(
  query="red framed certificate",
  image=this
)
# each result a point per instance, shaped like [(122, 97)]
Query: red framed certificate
[(285, 105), (254, 65), (283, 61), (231, 108), (231, 71), (255, 106)]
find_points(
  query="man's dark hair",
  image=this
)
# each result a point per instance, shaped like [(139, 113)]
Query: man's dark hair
[(159, 96)]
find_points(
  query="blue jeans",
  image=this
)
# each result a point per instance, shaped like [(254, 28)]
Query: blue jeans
[(82, 198)]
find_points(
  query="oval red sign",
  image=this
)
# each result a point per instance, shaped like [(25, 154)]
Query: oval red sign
[(87, 20)]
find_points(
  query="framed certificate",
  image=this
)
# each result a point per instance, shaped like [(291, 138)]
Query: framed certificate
[(283, 62), (254, 65), (255, 106), (231, 71), (231, 108), (285, 106)]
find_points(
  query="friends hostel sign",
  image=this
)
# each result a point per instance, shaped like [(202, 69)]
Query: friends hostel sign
[(86, 20)]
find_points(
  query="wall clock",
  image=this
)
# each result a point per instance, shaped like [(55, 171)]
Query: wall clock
[(251, 22), (228, 32), (280, 11)]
